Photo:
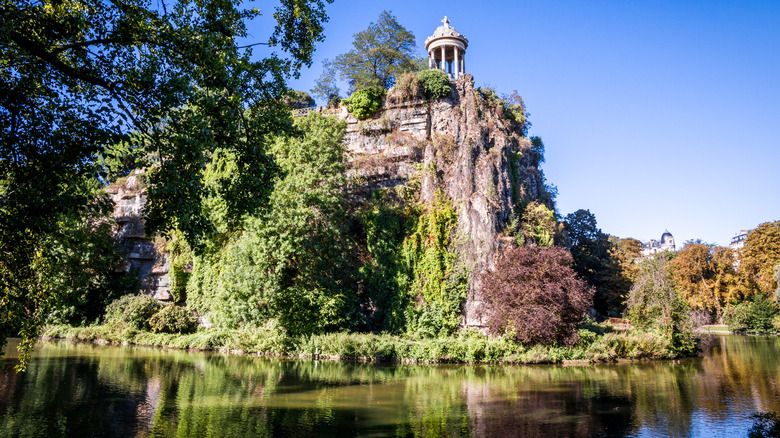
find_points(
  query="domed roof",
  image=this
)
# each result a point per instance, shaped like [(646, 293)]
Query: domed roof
[(666, 233), (445, 30)]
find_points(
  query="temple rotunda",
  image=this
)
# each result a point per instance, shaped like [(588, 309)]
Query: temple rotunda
[(447, 50)]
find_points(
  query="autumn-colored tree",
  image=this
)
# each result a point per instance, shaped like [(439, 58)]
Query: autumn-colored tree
[(705, 276), (759, 257), (725, 277), (777, 281), (535, 296), (626, 251)]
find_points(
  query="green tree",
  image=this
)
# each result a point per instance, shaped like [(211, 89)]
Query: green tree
[(326, 88), (86, 269), (754, 315), (292, 262), (654, 304), (593, 261), (76, 76), (379, 54), (759, 257)]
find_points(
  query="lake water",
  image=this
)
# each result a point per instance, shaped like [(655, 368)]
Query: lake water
[(84, 390)]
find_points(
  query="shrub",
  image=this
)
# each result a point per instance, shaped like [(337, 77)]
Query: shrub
[(535, 296), (756, 315), (173, 319), (407, 87), (132, 311), (365, 102), (539, 224), (435, 83)]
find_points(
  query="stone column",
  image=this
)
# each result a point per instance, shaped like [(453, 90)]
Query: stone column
[(463, 63), (455, 63), (430, 60), (443, 59)]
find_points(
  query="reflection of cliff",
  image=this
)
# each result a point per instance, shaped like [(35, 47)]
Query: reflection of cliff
[(532, 408)]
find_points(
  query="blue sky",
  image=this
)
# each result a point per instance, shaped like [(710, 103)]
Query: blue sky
[(655, 115)]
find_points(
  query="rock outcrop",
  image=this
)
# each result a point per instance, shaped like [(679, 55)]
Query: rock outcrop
[(145, 257), (462, 145), (465, 147)]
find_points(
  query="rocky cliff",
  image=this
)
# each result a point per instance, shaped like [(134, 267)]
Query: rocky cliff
[(150, 261), (463, 145)]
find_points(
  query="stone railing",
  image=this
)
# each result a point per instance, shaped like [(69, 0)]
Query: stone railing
[(302, 112)]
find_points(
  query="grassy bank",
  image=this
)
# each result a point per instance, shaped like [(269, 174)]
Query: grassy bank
[(466, 347)]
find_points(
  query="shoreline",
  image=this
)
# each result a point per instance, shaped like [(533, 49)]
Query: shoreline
[(462, 348)]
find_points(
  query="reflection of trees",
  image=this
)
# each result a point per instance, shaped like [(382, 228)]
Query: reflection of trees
[(91, 390), (56, 396), (742, 370)]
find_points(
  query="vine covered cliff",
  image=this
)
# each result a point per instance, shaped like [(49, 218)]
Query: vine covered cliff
[(465, 146), (380, 224)]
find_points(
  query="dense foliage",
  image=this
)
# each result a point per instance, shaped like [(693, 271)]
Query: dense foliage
[(77, 76), (132, 311), (173, 319), (538, 226), (84, 268), (379, 54), (365, 102), (755, 315), (435, 83), (434, 282), (298, 99), (596, 262), (654, 304), (760, 255), (384, 224), (706, 277), (292, 263), (535, 296)]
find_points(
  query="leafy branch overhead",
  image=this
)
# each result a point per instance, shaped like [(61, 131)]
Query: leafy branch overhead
[(169, 77)]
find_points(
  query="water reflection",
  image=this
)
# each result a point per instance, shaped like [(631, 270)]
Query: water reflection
[(86, 390)]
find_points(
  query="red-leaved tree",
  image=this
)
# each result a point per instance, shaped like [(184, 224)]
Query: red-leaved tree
[(535, 297)]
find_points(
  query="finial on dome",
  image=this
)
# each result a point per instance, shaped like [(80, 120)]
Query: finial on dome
[(446, 21)]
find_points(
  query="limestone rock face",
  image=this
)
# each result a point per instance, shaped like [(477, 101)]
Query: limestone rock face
[(464, 147), (143, 256)]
